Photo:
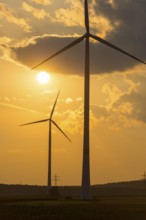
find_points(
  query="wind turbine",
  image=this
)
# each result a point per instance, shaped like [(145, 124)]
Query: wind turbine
[(51, 121), (86, 194)]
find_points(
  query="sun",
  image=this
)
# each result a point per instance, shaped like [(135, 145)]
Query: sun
[(43, 77)]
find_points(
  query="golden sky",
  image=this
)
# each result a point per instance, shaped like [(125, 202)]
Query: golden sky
[(30, 31)]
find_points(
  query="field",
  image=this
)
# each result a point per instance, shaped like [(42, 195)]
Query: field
[(103, 208)]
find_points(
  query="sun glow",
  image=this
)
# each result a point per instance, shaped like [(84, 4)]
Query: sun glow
[(43, 77)]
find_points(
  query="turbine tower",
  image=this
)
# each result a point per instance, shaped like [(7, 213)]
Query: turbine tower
[(86, 194), (51, 121)]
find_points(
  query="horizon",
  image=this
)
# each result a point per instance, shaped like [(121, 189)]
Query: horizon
[(95, 184)]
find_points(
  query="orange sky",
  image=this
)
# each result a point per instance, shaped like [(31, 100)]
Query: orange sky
[(117, 104)]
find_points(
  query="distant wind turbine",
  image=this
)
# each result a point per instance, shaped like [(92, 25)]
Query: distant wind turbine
[(50, 139), (86, 194)]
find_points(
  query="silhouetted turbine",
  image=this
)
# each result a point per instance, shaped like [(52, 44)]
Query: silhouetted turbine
[(86, 194), (50, 138)]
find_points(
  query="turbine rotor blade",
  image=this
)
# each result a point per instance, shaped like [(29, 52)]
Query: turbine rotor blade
[(115, 47), (86, 16), (54, 105), (75, 42), (35, 122), (60, 130)]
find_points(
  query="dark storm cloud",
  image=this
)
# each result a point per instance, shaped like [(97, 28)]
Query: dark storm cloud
[(103, 59), (69, 62), (130, 35)]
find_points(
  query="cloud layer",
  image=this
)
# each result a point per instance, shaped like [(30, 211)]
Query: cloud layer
[(126, 28), (103, 59), (121, 23)]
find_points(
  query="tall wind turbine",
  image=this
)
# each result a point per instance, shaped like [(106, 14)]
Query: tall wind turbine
[(51, 121), (86, 194)]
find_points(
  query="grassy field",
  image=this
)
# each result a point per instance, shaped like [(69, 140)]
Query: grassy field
[(104, 208)]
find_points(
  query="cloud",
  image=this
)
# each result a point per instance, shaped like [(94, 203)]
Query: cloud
[(73, 15), (7, 53), (59, 150), (17, 107), (131, 16), (132, 106), (8, 15), (68, 100), (113, 94), (37, 13), (5, 40), (99, 111), (73, 122), (7, 99), (103, 59), (121, 116), (124, 29), (111, 2), (79, 99), (42, 2), (125, 100)]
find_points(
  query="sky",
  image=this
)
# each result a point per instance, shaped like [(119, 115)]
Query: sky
[(30, 31)]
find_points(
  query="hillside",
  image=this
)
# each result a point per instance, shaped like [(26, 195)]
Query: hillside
[(110, 189)]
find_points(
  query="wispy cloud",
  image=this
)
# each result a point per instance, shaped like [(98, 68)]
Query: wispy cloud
[(37, 13), (79, 99), (68, 100), (74, 16), (59, 150), (113, 94), (42, 2), (5, 40), (17, 107), (8, 15)]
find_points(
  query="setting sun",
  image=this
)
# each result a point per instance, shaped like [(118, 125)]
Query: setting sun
[(43, 77)]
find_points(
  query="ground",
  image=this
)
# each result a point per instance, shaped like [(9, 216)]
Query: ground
[(102, 208)]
